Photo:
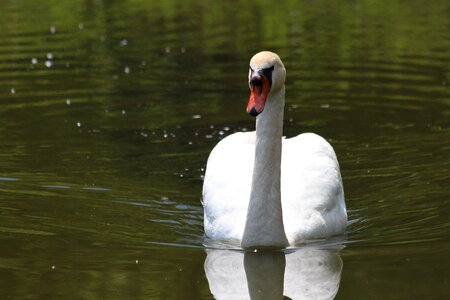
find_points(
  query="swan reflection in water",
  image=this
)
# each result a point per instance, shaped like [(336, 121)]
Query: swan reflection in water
[(305, 273)]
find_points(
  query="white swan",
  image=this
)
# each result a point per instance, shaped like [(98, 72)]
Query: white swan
[(266, 191)]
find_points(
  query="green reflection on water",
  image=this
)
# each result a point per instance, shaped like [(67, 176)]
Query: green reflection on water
[(109, 110)]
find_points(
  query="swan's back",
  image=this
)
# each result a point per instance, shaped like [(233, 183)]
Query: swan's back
[(312, 195)]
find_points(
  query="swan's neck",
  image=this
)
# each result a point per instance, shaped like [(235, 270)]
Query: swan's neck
[(264, 224)]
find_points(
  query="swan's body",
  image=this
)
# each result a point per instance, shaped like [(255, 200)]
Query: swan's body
[(267, 191)]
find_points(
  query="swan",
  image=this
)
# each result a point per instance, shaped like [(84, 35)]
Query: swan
[(266, 191)]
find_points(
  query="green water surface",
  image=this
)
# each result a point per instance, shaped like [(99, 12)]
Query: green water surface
[(109, 109)]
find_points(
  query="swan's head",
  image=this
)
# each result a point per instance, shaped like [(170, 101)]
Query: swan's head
[(266, 74)]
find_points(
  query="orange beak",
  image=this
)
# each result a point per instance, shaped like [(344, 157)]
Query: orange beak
[(259, 89)]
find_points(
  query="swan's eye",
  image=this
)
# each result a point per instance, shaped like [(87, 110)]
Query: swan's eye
[(267, 72)]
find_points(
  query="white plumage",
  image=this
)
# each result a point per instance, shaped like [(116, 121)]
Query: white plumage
[(248, 174)]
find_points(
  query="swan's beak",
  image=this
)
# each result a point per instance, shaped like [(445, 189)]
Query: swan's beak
[(259, 89)]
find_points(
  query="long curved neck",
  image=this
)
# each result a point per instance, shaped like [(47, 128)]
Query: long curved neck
[(264, 224)]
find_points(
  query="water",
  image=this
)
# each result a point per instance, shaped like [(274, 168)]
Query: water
[(109, 111)]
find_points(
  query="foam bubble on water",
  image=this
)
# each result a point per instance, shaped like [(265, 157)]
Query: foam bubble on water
[(53, 29), (48, 63), (50, 56), (196, 116), (127, 70), (123, 43), (167, 49), (68, 102), (13, 90), (34, 60), (123, 111), (78, 124)]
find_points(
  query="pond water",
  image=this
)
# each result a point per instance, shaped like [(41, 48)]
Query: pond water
[(109, 110)]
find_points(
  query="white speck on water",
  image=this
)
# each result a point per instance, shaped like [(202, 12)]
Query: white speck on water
[(34, 60), (48, 63), (127, 70), (183, 50), (221, 132), (137, 261), (53, 29), (165, 135), (123, 43), (68, 102), (143, 63), (211, 126), (196, 116), (167, 49), (226, 128), (325, 106), (190, 143), (81, 26), (144, 134), (53, 267), (102, 38), (78, 124), (50, 56), (13, 90), (209, 136), (123, 111)]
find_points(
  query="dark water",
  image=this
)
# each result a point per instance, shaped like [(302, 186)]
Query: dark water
[(108, 111)]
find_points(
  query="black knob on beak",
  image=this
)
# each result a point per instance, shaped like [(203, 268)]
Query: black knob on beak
[(256, 80)]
